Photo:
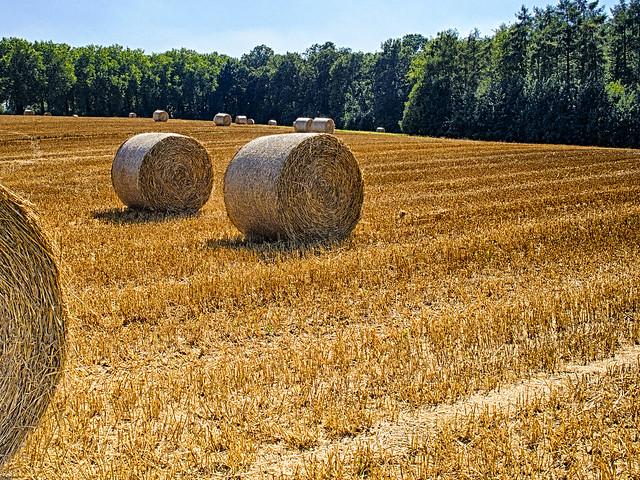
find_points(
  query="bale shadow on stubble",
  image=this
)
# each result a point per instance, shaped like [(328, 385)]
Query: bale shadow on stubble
[(273, 249), (128, 216)]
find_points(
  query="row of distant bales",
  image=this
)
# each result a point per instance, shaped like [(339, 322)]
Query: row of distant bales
[(301, 125)]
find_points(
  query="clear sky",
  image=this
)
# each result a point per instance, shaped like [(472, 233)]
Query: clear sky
[(234, 27)]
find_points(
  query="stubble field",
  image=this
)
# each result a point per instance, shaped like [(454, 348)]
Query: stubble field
[(481, 320)]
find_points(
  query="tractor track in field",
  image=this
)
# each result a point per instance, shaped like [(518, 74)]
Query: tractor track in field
[(395, 438)]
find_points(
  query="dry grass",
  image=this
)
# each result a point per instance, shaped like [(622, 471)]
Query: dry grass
[(475, 267)]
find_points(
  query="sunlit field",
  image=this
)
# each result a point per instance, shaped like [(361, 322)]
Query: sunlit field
[(481, 320)]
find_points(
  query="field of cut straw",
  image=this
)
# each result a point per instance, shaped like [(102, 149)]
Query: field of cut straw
[(481, 320)]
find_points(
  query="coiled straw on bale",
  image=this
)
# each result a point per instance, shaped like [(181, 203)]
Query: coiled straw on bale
[(162, 171), (160, 116), (298, 186), (222, 119), (322, 125), (302, 124), (32, 323)]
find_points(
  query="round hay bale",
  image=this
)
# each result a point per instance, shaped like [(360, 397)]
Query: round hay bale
[(47, 114), (241, 119), (32, 323), (302, 124), (272, 123), (251, 121), (133, 115), (380, 130), (297, 186), (322, 125), (162, 172), (28, 111), (222, 119), (75, 115), (160, 116)]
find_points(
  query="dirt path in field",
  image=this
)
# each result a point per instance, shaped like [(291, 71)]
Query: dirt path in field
[(394, 438)]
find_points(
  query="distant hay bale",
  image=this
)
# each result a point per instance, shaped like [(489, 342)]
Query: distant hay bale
[(222, 119), (162, 172), (380, 130), (47, 114), (32, 323), (241, 119), (302, 124), (272, 123), (160, 116), (251, 121), (75, 115), (322, 125), (297, 186), (28, 111), (133, 115)]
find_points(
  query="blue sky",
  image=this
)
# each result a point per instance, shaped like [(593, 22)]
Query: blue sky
[(234, 27)]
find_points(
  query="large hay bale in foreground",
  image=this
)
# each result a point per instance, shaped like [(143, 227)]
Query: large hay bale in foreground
[(32, 323), (302, 124), (160, 116), (297, 186), (241, 119), (222, 119), (322, 125), (272, 123), (162, 172)]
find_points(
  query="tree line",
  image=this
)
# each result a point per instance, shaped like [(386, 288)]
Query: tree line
[(568, 73)]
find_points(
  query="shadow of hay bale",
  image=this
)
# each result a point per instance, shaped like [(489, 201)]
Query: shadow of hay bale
[(271, 250), (127, 216)]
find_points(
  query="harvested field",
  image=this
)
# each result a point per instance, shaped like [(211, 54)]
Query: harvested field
[(481, 320)]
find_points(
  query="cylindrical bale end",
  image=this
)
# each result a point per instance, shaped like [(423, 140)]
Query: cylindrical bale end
[(32, 323), (162, 172), (160, 116), (302, 124), (322, 125), (300, 187), (222, 119)]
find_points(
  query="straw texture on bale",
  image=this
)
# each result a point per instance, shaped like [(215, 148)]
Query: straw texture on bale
[(133, 115), (28, 111), (251, 121), (222, 119), (160, 116), (241, 119), (162, 172), (32, 323), (298, 186), (302, 124), (322, 125), (272, 123), (380, 130)]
